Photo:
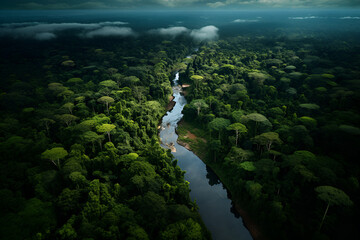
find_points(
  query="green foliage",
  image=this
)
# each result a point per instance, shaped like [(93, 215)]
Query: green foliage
[(286, 105), (199, 104), (310, 106), (254, 189), (256, 117), (54, 155), (75, 81), (333, 196), (309, 122), (258, 78), (196, 78), (106, 128), (248, 166), (131, 188), (108, 84), (267, 139)]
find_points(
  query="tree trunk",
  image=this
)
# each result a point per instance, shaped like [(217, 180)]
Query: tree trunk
[(107, 107), (53, 162), (47, 128), (322, 221), (256, 124), (109, 136), (237, 135)]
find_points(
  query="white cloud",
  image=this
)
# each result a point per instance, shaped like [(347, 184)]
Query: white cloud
[(348, 17), (303, 18), (114, 23), (216, 4), (47, 31), (175, 3), (244, 21), (171, 31), (207, 33), (110, 32)]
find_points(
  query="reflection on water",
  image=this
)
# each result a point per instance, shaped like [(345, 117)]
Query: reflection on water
[(215, 207), (213, 178)]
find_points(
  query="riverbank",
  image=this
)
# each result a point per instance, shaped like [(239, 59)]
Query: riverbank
[(194, 139), (171, 103)]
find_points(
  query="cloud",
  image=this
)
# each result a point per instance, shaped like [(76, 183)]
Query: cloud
[(303, 18), (110, 32), (207, 33), (114, 23), (171, 31), (216, 4), (44, 36), (44, 4), (244, 21), (48, 31), (348, 17), (176, 3)]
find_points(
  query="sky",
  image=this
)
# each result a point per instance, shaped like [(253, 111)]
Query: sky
[(174, 4)]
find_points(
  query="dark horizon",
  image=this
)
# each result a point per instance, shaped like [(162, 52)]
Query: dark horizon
[(174, 4)]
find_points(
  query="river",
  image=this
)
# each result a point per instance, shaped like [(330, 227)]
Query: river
[(215, 207)]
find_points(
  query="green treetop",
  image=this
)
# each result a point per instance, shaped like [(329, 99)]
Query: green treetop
[(219, 124), (199, 104), (238, 128), (267, 139), (106, 128), (54, 155), (107, 101), (332, 196)]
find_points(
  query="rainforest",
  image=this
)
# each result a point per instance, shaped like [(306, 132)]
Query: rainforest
[(180, 124)]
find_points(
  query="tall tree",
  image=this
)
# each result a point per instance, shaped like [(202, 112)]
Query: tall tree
[(199, 104), (107, 101), (332, 196), (54, 155), (238, 128), (219, 124), (106, 128)]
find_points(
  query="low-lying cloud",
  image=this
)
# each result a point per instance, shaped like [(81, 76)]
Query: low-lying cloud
[(44, 36), (171, 31), (48, 31), (245, 20), (216, 4), (207, 33), (110, 32), (303, 18), (351, 18)]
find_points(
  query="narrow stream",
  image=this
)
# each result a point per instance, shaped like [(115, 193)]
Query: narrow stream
[(212, 198)]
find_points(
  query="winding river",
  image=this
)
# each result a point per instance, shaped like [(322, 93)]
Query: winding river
[(215, 207)]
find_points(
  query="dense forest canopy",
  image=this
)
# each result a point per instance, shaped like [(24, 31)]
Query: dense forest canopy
[(80, 107), (281, 120)]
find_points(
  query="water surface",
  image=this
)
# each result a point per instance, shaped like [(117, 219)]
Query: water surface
[(212, 198)]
